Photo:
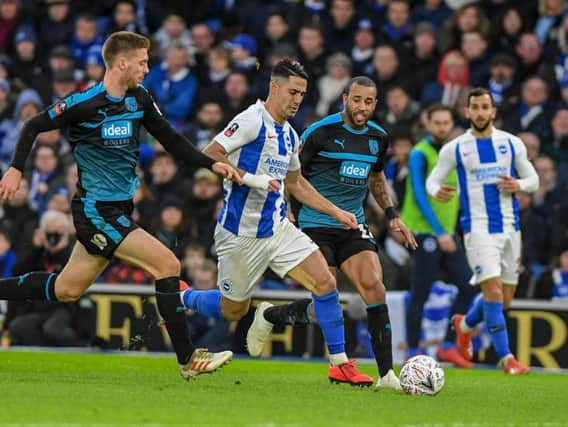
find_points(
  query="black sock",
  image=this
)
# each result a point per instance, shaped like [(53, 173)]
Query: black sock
[(172, 311), (294, 313), (381, 336), (38, 286)]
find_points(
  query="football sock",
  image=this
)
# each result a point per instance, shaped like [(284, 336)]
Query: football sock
[(381, 335), (207, 303), (474, 315), (495, 322), (29, 286), (295, 313), (173, 313), (330, 318)]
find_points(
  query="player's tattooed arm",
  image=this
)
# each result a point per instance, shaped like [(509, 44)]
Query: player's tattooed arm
[(380, 189)]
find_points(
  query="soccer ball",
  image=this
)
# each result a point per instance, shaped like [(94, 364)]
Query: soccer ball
[(421, 375)]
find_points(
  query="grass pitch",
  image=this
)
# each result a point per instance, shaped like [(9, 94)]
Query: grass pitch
[(39, 388)]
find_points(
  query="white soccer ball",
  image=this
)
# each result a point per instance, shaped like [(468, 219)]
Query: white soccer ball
[(422, 375)]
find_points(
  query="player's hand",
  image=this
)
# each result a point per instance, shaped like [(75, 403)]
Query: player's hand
[(227, 172), (10, 183), (508, 184), (445, 193), (347, 219), (447, 243), (402, 234), (290, 216), (274, 185)]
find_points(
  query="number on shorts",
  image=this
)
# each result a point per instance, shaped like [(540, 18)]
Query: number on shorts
[(365, 233)]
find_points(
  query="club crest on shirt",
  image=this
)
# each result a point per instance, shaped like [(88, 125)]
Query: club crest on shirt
[(131, 104), (373, 146), (60, 107), (503, 149), (229, 132)]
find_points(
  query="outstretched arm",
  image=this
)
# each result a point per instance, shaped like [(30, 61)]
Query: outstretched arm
[(303, 191)]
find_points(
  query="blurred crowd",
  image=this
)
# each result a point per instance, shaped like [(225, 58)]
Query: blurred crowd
[(211, 59)]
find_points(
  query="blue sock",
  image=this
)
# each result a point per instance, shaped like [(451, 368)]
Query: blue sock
[(413, 351), (330, 318), (495, 321), (207, 303), (475, 312)]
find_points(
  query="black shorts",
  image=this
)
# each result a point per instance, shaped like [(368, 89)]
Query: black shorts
[(101, 226), (337, 245)]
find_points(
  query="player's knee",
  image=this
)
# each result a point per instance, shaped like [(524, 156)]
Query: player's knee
[(70, 294), (325, 284), (493, 293), (373, 291)]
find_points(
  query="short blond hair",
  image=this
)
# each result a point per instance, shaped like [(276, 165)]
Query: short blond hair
[(122, 42)]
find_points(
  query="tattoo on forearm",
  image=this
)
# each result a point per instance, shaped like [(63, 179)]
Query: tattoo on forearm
[(380, 191)]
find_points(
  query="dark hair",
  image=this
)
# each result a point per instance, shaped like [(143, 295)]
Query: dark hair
[(287, 68), (434, 108), (122, 42), (361, 81), (479, 91)]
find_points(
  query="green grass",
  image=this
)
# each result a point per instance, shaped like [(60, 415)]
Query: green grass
[(109, 389)]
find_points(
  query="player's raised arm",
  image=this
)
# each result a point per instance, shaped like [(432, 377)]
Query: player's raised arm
[(435, 182), (179, 146)]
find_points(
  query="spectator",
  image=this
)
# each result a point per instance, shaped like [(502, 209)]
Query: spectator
[(43, 323), (312, 55), (26, 64), (397, 29), (173, 86), (46, 176), (532, 143), (56, 28), (502, 83), (202, 40), (7, 255), (535, 243), (243, 54), (5, 101), (557, 146), (396, 169), (262, 79), (549, 22), (123, 17), (474, 46), (27, 105), (509, 27), (532, 61), (386, 70), (145, 206), (236, 95), (532, 113), (424, 59), (193, 258), (173, 31), (553, 284), (364, 47), (19, 220), (435, 12), (453, 75), (10, 17), (84, 37), (277, 32), (467, 18), (204, 199), (63, 84), (332, 85), (171, 226), (208, 123), (402, 111), (94, 67), (218, 69), (551, 193), (340, 26), (165, 179)]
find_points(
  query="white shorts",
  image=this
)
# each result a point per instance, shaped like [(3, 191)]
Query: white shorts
[(494, 255), (243, 260)]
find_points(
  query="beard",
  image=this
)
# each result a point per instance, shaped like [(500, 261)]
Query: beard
[(482, 128)]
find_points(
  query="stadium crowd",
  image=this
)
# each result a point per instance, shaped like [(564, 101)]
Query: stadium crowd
[(211, 59)]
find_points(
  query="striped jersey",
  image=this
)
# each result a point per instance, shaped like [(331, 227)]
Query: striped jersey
[(479, 163), (259, 145)]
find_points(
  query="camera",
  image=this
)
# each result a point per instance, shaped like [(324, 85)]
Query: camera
[(52, 238)]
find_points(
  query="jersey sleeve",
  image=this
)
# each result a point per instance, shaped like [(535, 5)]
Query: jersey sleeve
[(446, 163), (244, 128), (180, 147), (58, 115), (528, 178), (382, 154)]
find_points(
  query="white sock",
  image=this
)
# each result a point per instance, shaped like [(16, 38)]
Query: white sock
[(464, 327), (181, 296), (338, 359)]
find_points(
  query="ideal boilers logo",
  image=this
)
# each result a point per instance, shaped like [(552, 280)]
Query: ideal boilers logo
[(357, 170), (118, 129)]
